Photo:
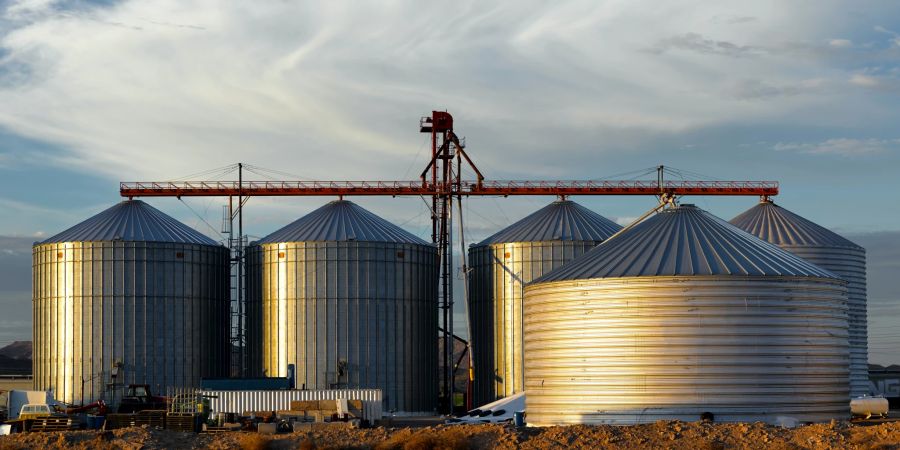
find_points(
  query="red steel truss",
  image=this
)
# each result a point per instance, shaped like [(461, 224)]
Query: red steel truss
[(464, 188)]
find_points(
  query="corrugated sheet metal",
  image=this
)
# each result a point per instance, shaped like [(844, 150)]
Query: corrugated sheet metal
[(501, 265), (685, 240), (558, 221), (349, 313), (342, 220), (830, 251), (637, 350), (131, 220), (779, 226), (159, 309), (240, 401)]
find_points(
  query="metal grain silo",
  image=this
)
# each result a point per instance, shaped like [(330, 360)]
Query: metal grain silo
[(500, 267), (830, 251), (682, 315), (129, 296), (351, 300)]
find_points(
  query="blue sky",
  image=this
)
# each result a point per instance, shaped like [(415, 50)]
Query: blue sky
[(803, 92)]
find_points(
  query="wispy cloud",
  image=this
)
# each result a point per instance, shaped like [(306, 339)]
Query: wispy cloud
[(841, 43), (758, 89), (300, 86), (696, 42), (731, 19), (841, 146)]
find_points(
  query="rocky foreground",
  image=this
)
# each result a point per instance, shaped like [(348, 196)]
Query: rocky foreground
[(663, 434)]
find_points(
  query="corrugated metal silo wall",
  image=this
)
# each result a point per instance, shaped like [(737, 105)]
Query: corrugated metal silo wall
[(849, 264), (350, 315), (160, 309), (637, 350), (496, 283)]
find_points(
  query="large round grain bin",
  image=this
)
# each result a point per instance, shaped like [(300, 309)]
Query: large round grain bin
[(129, 296), (351, 300), (828, 250), (682, 315), (501, 265)]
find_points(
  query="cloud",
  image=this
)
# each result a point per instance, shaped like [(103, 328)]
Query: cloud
[(877, 79), (840, 43), (136, 90), (841, 146), (757, 89), (733, 20), (696, 42)]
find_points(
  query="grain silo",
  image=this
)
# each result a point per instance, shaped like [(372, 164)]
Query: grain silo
[(682, 315), (830, 251), (500, 267), (129, 296), (351, 299)]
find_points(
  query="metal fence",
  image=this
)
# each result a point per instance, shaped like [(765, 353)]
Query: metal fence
[(241, 401)]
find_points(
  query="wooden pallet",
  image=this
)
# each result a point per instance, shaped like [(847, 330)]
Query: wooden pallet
[(150, 418), (52, 424), (209, 429), (181, 422)]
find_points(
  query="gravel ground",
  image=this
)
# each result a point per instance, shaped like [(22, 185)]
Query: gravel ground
[(663, 434)]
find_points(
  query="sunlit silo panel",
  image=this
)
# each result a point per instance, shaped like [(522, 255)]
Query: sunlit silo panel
[(351, 299), (129, 296), (828, 250), (685, 314), (501, 265)]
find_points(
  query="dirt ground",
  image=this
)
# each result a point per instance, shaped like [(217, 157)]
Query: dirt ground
[(663, 434)]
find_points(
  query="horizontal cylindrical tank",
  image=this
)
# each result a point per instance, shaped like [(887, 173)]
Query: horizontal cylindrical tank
[(828, 250), (683, 315), (129, 296), (500, 266), (351, 299)]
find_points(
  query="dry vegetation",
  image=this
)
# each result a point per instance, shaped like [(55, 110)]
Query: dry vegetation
[(663, 434)]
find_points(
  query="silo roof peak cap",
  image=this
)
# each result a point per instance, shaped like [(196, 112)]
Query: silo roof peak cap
[(782, 227), (685, 241), (342, 220), (558, 221), (131, 221)]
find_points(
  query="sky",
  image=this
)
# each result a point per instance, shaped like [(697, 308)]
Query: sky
[(799, 91)]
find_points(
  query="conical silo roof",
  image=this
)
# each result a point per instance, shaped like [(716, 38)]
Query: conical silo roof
[(132, 220), (562, 220), (685, 240), (779, 226), (342, 220)]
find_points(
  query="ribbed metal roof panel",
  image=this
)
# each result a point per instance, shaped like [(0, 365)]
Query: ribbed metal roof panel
[(342, 220), (558, 221), (132, 220), (685, 240), (779, 226)]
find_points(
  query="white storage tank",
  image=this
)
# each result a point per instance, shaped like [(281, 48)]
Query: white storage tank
[(351, 300), (501, 265), (828, 250), (682, 315)]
